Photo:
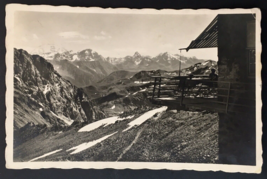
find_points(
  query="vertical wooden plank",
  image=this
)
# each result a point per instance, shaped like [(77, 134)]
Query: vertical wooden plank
[(227, 102)]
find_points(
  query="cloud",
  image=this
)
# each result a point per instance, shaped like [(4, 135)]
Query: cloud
[(103, 36), (35, 36), (72, 35)]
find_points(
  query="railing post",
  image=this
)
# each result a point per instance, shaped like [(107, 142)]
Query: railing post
[(154, 88), (159, 87), (227, 101), (183, 86)]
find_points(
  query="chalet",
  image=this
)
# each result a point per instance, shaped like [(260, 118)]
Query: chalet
[(234, 37)]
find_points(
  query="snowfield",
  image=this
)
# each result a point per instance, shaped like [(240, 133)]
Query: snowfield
[(104, 122), (87, 145), (145, 117), (47, 154)]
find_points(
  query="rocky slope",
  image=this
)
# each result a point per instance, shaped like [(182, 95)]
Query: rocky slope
[(43, 97), (167, 136)]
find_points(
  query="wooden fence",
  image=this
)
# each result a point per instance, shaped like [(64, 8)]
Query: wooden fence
[(223, 96)]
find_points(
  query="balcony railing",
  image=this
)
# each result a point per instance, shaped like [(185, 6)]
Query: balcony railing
[(200, 92)]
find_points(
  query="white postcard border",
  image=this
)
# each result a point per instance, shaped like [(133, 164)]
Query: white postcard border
[(11, 8)]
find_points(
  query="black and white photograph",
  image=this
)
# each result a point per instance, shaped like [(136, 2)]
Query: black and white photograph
[(133, 88)]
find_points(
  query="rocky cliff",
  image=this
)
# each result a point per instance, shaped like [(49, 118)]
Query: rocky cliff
[(43, 97)]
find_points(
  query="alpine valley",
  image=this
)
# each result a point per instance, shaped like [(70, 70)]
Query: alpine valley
[(71, 101)]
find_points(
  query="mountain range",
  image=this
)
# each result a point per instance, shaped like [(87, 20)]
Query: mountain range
[(87, 67)]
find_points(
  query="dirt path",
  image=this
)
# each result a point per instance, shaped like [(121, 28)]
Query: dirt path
[(133, 142)]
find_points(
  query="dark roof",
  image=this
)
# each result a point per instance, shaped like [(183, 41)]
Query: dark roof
[(208, 38)]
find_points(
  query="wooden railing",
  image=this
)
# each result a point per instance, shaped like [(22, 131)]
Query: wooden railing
[(224, 95)]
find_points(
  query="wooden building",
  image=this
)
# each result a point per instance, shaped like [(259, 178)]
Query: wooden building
[(234, 37)]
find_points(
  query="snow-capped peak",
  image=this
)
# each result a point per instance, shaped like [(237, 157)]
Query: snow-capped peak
[(136, 54)]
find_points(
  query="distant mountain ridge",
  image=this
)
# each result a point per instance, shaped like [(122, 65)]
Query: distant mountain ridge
[(203, 68), (82, 68), (163, 61), (87, 67)]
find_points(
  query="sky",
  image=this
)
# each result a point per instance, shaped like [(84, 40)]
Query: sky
[(111, 35)]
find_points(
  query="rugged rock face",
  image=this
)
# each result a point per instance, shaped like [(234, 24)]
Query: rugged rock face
[(42, 96)]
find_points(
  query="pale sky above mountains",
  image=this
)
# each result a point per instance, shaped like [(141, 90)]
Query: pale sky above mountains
[(113, 35)]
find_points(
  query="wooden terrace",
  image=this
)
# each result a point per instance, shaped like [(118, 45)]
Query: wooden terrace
[(200, 93)]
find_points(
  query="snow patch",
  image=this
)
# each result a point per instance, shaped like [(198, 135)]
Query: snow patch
[(145, 117), (166, 98), (104, 122), (143, 90), (46, 89), (50, 153), (113, 107), (205, 63), (63, 118), (92, 69), (137, 62), (91, 60), (140, 91), (135, 93), (75, 57), (18, 79), (77, 66), (87, 145), (142, 82)]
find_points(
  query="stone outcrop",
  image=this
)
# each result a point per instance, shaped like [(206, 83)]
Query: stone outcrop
[(42, 96)]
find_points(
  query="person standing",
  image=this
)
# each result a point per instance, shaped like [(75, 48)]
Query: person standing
[(213, 76)]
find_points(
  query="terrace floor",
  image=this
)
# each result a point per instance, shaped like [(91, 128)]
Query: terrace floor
[(210, 104)]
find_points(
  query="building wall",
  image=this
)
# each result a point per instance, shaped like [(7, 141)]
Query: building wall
[(232, 47), (236, 130)]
